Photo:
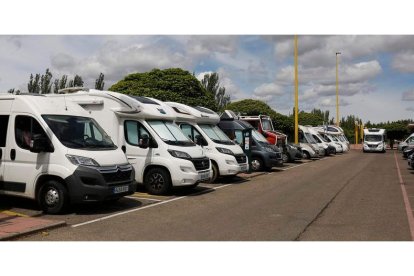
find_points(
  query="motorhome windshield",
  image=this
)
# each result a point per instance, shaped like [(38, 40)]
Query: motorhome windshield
[(373, 138), (170, 133), (216, 134), (322, 138), (79, 132), (310, 138), (266, 125), (259, 137)]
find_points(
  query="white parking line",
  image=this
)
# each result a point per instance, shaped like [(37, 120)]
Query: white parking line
[(295, 166), (143, 198), (145, 207)]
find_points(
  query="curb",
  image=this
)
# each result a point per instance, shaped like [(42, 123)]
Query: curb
[(44, 225)]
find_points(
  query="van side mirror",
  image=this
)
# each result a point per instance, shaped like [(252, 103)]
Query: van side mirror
[(199, 140), (144, 141), (39, 143)]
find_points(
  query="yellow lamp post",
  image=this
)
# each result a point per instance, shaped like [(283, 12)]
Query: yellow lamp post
[(337, 94), (296, 91)]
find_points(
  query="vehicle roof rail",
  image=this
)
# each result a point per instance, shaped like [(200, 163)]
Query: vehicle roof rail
[(69, 90)]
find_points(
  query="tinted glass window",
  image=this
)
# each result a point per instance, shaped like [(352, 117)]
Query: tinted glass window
[(134, 131), (25, 129), (4, 122)]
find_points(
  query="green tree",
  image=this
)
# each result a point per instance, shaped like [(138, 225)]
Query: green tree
[(99, 83), (172, 84), (212, 84), (33, 86), (13, 91), (46, 82)]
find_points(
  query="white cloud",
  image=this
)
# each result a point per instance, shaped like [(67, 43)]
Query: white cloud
[(268, 91), (330, 102), (408, 95), (404, 62)]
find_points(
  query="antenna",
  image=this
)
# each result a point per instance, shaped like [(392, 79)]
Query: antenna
[(64, 97)]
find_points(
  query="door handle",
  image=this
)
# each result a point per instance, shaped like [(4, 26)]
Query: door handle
[(13, 154)]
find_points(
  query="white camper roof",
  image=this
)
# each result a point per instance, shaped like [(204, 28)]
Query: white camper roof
[(123, 105), (40, 105), (198, 114), (374, 131)]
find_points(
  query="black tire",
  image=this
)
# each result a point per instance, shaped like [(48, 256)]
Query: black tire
[(216, 172), (257, 164), (157, 181), (285, 157), (53, 197), (306, 155)]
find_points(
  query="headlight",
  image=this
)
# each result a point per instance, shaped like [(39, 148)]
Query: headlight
[(224, 150), (179, 154), (82, 161)]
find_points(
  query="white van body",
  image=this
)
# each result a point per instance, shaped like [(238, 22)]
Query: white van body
[(409, 141), (337, 133), (54, 152), (374, 140), (331, 141), (227, 157), (307, 141), (168, 160)]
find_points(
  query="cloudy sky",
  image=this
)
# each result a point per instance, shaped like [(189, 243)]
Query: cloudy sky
[(376, 73)]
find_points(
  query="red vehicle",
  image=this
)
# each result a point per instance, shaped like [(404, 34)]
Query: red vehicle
[(264, 125)]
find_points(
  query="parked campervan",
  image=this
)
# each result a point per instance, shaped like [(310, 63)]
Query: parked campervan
[(264, 125), (51, 150), (409, 141), (374, 140), (145, 130), (329, 139), (328, 149), (338, 133), (200, 125), (264, 155), (308, 144)]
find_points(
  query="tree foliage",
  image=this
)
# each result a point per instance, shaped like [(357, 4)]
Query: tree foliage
[(172, 84), (99, 83), (212, 84)]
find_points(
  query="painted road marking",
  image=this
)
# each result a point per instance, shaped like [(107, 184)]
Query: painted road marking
[(10, 213), (147, 206), (143, 198), (408, 208)]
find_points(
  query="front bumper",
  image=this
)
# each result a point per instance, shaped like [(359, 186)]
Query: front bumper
[(189, 172), (373, 148), (89, 184)]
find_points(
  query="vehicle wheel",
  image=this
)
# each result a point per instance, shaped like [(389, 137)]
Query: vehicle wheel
[(53, 197), (215, 172), (257, 164), (306, 155), (285, 157), (157, 181)]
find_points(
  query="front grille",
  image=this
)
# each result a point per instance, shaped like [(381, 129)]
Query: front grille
[(201, 163), (118, 176), (241, 158)]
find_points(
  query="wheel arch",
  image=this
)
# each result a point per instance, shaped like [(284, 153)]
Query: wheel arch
[(43, 179)]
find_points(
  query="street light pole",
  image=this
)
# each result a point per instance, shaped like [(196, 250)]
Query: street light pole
[(337, 94), (296, 91)]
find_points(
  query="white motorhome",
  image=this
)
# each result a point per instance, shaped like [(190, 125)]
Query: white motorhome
[(200, 125), (374, 140), (337, 133), (144, 128), (330, 139), (308, 144), (322, 143), (52, 151)]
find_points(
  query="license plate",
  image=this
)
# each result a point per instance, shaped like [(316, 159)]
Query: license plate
[(204, 175), (120, 189), (243, 168)]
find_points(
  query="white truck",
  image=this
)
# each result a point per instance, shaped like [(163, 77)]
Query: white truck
[(200, 125), (374, 140), (144, 128), (52, 151)]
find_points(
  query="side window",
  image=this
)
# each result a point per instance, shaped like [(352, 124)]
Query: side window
[(187, 130), (26, 128), (239, 136), (302, 137), (134, 131), (96, 134), (4, 122), (410, 140)]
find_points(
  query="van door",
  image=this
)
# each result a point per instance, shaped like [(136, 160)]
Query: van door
[(137, 156), (21, 165), (4, 122)]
